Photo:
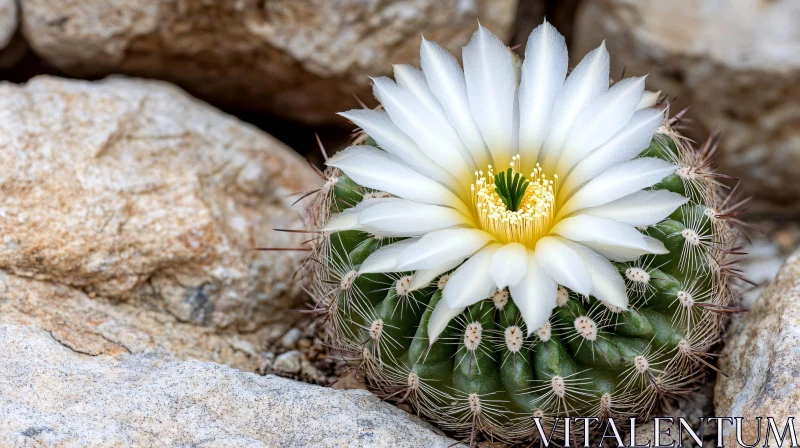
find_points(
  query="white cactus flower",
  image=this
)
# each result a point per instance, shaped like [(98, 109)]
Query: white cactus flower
[(514, 176)]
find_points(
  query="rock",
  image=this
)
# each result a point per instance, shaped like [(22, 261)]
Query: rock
[(9, 20), (736, 63), (288, 362), (52, 396), (291, 337), (133, 191), (101, 327), (762, 357), (300, 60)]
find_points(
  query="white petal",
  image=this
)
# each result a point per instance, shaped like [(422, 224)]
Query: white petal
[(509, 264), (607, 232), (430, 130), (543, 75), (441, 316), (562, 264), (535, 296), (443, 246), (446, 81), (348, 219), (471, 282), (587, 81), (413, 80), (600, 120), (642, 208), (607, 283), (617, 182), (492, 89), (424, 277), (400, 217), (385, 258), (649, 99), (622, 253), (626, 144), (373, 168), (379, 126)]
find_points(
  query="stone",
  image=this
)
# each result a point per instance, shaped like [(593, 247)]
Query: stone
[(762, 358), (291, 337), (298, 60), (736, 63), (52, 396), (288, 362), (133, 191), (9, 21)]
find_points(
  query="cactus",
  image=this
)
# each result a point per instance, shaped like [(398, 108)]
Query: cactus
[(592, 324)]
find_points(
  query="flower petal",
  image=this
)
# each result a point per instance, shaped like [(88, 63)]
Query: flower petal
[(492, 91), (607, 283), (563, 264), (379, 126), (642, 208), (443, 246), (607, 232), (471, 282), (543, 75), (509, 264), (617, 182), (413, 80), (649, 99), (535, 295), (400, 217), (446, 81), (424, 277), (429, 129), (348, 218), (587, 81), (373, 168), (441, 316), (622, 253), (626, 144), (385, 258), (600, 120)]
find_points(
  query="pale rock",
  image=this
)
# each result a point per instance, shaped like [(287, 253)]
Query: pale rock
[(301, 60), (288, 362), (52, 396), (9, 20), (291, 337), (736, 63), (762, 358), (133, 191)]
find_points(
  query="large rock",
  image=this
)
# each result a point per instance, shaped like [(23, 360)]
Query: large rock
[(9, 20), (52, 396), (133, 191), (762, 357), (737, 63), (297, 59)]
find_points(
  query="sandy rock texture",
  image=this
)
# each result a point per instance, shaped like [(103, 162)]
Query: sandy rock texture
[(9, 20), (133, 191), (53, 396), (297, 59), (737, 63), (762, 357)]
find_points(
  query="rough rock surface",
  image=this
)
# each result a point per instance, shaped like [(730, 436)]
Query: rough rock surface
[(52, 396), (9, 20), (297, 59), (133, 191), (762, 357), (736, 63)]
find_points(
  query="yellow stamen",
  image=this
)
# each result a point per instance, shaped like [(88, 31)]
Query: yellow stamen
[(533, 218)]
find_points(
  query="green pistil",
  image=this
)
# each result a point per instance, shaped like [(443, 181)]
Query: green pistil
[(511, 188)]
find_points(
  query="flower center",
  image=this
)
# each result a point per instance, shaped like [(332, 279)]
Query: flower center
[(514, 208)]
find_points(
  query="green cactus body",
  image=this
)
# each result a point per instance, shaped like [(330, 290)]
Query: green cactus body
[(484, 373), (588, 277)]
